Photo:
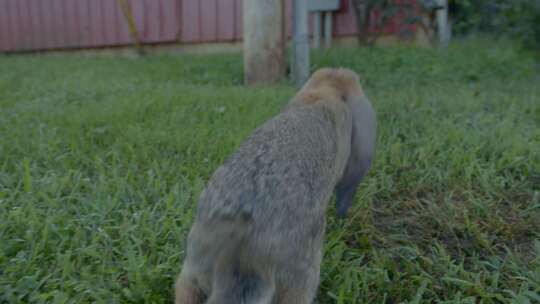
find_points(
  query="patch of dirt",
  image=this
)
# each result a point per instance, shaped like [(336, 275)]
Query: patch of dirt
[(463, 231)]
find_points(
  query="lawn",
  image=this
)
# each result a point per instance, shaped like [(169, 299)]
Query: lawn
[(102, 161)]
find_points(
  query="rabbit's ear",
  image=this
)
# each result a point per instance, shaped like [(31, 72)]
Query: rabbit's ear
[(362, 152)]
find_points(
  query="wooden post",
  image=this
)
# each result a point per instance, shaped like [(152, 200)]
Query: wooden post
[(300, 60), (442, 23), (317, 16), (264, 56)]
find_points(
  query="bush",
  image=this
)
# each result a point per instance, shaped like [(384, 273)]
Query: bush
[(519, 19)]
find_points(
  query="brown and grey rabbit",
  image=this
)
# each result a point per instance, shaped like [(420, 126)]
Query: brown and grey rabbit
[(260, 222)]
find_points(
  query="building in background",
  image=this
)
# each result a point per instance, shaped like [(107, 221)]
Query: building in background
[(44, 25)]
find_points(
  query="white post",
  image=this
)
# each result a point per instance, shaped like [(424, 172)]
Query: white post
[(264, 56), (317, 30), (300, 60), (327, 29), (442, 23)]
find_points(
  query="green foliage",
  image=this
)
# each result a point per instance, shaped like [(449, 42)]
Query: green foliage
[(102, 161), (518, 19)]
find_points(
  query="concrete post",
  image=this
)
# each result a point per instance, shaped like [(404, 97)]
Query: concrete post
[(264, 56)]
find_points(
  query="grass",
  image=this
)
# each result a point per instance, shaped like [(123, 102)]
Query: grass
[(102, 161)]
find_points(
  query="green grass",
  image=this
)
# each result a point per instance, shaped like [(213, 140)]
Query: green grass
[(102, 161)]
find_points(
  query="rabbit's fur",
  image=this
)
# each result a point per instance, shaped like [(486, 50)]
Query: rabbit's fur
[(260, 222)]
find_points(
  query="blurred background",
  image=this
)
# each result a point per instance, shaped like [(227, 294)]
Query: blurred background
[(30, 26)]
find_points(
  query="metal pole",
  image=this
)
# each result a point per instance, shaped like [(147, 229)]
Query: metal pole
[(317, 30), (300, 60), (328, 29), (442, 23)]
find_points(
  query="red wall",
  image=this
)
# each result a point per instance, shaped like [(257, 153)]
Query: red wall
[(54, 24), (60, 24)]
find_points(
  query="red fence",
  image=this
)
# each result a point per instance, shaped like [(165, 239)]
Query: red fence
[(60, 24)]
